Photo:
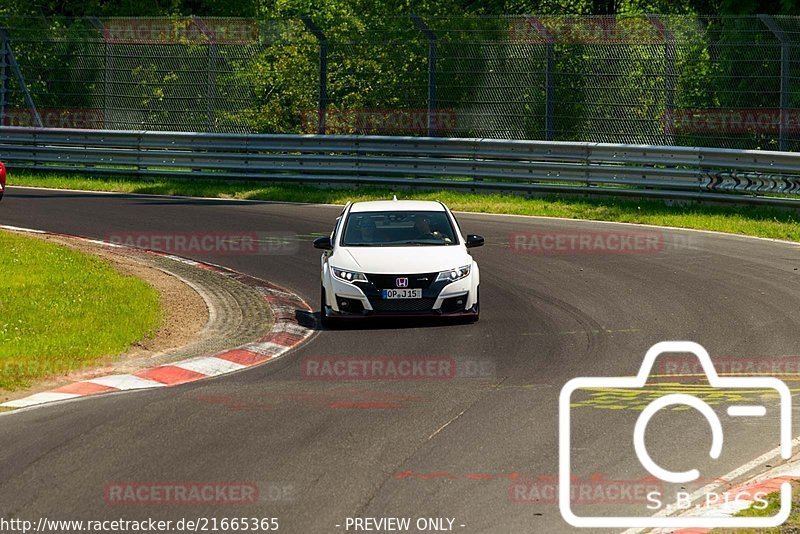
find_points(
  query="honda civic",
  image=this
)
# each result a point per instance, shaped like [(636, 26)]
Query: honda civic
[(398, 258)]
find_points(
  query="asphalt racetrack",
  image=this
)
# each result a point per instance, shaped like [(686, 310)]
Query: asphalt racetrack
[(323, 450)]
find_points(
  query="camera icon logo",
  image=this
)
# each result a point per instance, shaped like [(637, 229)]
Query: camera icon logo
[(640, 428)]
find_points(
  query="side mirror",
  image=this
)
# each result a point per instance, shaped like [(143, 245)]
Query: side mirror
[(324, 243), (474, 241)]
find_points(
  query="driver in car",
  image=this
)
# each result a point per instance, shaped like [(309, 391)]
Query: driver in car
[(369, 231), (422, 227)]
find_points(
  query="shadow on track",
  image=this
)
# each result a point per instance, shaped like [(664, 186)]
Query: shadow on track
[(312, 320)]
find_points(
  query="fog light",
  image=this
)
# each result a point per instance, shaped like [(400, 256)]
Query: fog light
[(343, 303)]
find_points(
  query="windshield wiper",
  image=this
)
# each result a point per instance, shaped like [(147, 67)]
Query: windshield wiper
[(420, 243)]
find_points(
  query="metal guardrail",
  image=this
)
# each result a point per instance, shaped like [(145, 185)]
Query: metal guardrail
[(744, 176)]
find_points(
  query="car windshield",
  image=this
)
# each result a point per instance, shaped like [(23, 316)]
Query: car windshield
[(398, 228)]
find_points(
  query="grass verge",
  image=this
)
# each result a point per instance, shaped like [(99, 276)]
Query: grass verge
[(755, 221), (61, 310), (774, 502)]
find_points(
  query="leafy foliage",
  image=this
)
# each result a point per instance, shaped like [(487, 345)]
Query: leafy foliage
[(377, 61)]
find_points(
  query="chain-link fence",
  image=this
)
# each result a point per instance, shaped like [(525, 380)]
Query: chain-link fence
[(725, 81)]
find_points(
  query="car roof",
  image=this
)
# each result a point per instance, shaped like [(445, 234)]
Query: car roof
[(397, 205)]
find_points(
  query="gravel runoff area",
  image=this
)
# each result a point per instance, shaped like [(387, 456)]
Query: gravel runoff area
[(204, 313)]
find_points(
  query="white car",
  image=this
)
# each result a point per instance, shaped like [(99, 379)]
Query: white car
[(398, 258)]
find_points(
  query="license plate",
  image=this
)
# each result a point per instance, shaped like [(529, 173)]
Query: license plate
[(402, 293)]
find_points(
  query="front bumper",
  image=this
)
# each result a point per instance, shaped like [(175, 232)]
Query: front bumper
[(363, 299), (378, 315)]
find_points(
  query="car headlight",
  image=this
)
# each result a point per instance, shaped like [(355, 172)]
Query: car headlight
[(348, 276), (454, 274)]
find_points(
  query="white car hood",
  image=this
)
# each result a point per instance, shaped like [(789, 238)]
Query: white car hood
[(401, 260)]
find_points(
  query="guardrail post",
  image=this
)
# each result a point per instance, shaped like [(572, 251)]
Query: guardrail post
[(322, 105), (670, 55), (777, 31), (549, 76), (8, 54), (432, 58)]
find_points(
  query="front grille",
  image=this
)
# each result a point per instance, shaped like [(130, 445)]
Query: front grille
[(389, 281), (402, 305)]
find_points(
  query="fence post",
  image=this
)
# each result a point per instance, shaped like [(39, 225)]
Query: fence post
[(669, 78), (549, 76), (8, 53), (99, 26), (3, 78), (777, 31), (432, 58), (211, 85), (322, 105)]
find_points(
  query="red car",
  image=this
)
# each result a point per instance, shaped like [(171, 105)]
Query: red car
[(2, 179)]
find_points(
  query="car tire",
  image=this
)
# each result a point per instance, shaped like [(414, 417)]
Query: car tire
[(324, 318), (474, 318)]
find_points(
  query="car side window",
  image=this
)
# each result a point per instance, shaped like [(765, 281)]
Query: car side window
[(335, 228), (455, 221)]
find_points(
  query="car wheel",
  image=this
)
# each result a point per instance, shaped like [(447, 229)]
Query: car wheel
[(474, 318), (324, 318)]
